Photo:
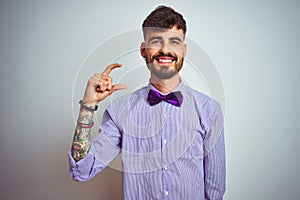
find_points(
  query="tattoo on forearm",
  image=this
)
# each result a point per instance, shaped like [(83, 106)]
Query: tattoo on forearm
[(82, 136)]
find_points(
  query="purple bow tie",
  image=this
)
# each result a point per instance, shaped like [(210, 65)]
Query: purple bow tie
[(174, 98)]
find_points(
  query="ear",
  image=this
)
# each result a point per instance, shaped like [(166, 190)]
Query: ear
[(143, 49)]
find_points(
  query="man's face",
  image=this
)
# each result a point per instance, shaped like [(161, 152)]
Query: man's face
[(164, 51)]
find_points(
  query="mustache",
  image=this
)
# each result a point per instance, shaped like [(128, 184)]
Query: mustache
[(160, 54)]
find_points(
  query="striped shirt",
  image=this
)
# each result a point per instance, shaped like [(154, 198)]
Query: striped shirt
[(167, 152)]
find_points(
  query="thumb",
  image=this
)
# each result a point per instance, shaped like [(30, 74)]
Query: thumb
[(118, 87)]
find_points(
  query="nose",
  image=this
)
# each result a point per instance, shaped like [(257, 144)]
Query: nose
[(165, 48)]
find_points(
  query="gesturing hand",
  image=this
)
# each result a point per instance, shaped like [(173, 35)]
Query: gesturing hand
[(100, 86)]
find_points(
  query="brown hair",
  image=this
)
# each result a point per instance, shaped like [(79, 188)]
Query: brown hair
[(164, 17)]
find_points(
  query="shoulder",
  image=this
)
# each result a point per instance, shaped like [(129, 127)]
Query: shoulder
[(197, 94), (208, 107), (200, 98)]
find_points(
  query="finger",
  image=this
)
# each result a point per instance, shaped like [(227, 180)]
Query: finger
[(109, 68), (109, 83), (100, 87), (118, 87)]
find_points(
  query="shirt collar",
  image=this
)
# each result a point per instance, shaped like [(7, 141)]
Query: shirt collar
[(180, 87)]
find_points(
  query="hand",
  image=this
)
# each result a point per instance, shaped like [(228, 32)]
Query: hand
[(100, 86)]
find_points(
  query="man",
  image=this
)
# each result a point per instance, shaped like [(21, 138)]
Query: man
[(170, 136)]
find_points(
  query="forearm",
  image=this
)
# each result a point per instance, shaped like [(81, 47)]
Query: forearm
[(82, 136)]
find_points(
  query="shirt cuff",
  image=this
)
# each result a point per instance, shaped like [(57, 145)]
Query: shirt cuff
[(81, 170)]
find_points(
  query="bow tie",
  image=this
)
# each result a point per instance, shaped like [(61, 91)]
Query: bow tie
[(174, 98)]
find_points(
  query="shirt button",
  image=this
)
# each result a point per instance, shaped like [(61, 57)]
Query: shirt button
[(165, 141), (165, 115), (166, 193), (165, 168)]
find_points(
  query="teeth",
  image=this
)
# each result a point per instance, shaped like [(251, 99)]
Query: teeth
[(165, 60)]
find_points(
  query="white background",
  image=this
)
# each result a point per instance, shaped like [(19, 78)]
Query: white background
[(254, 44)]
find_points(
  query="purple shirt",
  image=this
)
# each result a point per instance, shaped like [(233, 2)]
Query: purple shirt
[(167, 152)]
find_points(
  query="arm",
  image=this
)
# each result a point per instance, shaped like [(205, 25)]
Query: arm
[(82, 136), (98, 88), (214, 160), (104, 147)]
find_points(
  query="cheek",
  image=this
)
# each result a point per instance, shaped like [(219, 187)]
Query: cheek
[(178, 50), (151, 53), (179, 53)]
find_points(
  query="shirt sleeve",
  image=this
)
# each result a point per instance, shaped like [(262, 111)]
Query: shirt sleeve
[(104, 148), (214, 160)]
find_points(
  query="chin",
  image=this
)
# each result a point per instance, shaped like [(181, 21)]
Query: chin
[(164, 73)]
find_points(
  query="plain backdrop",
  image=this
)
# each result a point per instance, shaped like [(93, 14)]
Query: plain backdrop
[(254, 44)]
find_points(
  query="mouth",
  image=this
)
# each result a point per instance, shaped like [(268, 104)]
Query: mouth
[(165, 59)]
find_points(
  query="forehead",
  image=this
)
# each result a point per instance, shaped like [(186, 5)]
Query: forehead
[(164, 33)]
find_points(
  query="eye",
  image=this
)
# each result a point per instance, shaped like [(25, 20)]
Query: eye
[(175, 42), (156, 42)]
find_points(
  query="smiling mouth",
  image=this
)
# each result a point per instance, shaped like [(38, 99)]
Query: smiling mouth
[(165, 59)]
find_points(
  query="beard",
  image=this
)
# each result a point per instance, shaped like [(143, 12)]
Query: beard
[(164, 71)]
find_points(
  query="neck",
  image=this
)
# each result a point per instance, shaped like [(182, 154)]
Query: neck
[(165, 86)]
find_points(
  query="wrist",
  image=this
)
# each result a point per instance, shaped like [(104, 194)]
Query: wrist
[(88, 106), (86, 114)]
